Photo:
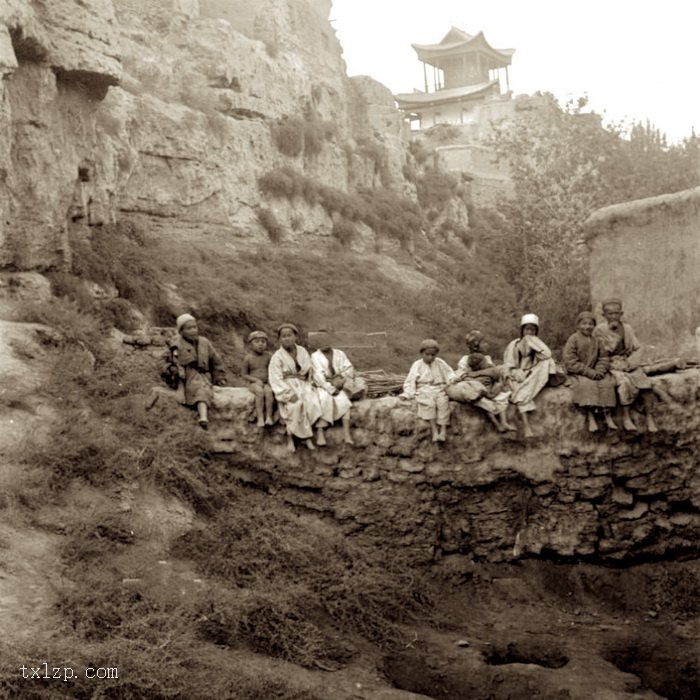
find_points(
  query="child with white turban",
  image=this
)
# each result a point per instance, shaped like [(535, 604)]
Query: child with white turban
[(529, 365)]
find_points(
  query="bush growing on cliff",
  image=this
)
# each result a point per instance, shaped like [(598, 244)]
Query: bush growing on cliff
[(435, 188), (119, 256), (296, 135), (270, 223), (382, 209), (375, 151), (344, 231)]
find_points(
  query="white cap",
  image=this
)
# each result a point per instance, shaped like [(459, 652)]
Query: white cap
[(530, 319)]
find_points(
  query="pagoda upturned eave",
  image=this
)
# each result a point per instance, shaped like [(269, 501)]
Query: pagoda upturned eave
[(417, 100), (433, 53)]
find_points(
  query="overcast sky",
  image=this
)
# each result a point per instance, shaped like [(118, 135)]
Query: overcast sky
[(636, 59)]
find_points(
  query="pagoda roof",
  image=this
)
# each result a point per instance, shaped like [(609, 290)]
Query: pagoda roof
[(457, 42), (415, 100)]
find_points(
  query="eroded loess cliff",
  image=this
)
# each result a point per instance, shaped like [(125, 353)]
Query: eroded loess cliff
[(168, 112)]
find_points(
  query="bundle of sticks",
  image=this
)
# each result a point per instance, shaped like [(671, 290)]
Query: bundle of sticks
[(381, 383), (667, 365)]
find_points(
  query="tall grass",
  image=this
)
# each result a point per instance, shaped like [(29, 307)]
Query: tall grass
[(382, 209)]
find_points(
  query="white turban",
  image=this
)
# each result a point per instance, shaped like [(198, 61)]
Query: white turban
[(530, 319)]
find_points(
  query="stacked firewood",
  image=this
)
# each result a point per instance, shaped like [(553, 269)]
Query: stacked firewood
[(382, 383)]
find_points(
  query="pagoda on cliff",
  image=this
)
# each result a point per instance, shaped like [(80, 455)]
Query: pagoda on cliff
[(460, 72)]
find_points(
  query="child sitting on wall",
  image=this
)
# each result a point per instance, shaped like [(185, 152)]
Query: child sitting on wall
[(426, 382), (494, 400), (192, 366), (255, 371), (587, 361)]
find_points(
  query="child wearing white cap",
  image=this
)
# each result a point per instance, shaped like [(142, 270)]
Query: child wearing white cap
[(529, 365)]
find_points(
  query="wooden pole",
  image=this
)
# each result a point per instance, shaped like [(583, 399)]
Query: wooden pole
[(507, 81), (425, 77)]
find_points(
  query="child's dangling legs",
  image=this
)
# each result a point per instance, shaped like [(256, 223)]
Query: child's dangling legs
[(269, 404), (442, 405), (203, 414), (609, 422), (347, 438), (627, 422), (592, 423), (648, 398), (259, 393)]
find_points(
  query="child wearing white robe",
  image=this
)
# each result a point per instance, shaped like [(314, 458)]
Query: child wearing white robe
[(335, 401), (426, 382), (529, 366), (290, 375)]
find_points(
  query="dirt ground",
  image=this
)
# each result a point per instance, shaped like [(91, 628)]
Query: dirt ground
[(545, 630)]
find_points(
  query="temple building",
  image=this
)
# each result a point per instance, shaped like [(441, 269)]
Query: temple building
[(460, 73), (467, 92)]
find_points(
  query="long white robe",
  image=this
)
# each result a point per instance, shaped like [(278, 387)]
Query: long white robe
[(300, 415), (529, 370), (333, 405), (426, 384), (354, 386)]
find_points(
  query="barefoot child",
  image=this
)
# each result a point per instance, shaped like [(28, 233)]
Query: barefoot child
[(631, 381), (254, 371), (195, 363), (334, 378), (290, 374), (586, 360), (529, 366), (426, 382), (494, 400)]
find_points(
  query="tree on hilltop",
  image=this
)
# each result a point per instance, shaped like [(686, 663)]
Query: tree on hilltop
[(564, 165)]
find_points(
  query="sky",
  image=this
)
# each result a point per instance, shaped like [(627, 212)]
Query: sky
[(636, 60)]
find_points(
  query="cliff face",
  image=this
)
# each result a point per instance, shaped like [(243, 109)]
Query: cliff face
[(165, 113)]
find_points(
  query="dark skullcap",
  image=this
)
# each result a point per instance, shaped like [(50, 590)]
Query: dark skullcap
[(611, 302), (429, 343), (291, 326)]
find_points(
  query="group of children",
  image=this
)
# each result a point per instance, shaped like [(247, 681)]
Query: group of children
[(313, 391)]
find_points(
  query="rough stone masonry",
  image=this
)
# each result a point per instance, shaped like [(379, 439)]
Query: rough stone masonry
[(567, 493)]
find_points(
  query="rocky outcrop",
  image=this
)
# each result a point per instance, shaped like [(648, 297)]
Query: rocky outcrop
[(164, 113), (607, 496)]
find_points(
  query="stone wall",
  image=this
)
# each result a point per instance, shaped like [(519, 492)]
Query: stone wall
[(608, 496), (647, 252)]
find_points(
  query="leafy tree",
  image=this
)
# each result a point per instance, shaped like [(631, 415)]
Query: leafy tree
[(564, 165)]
